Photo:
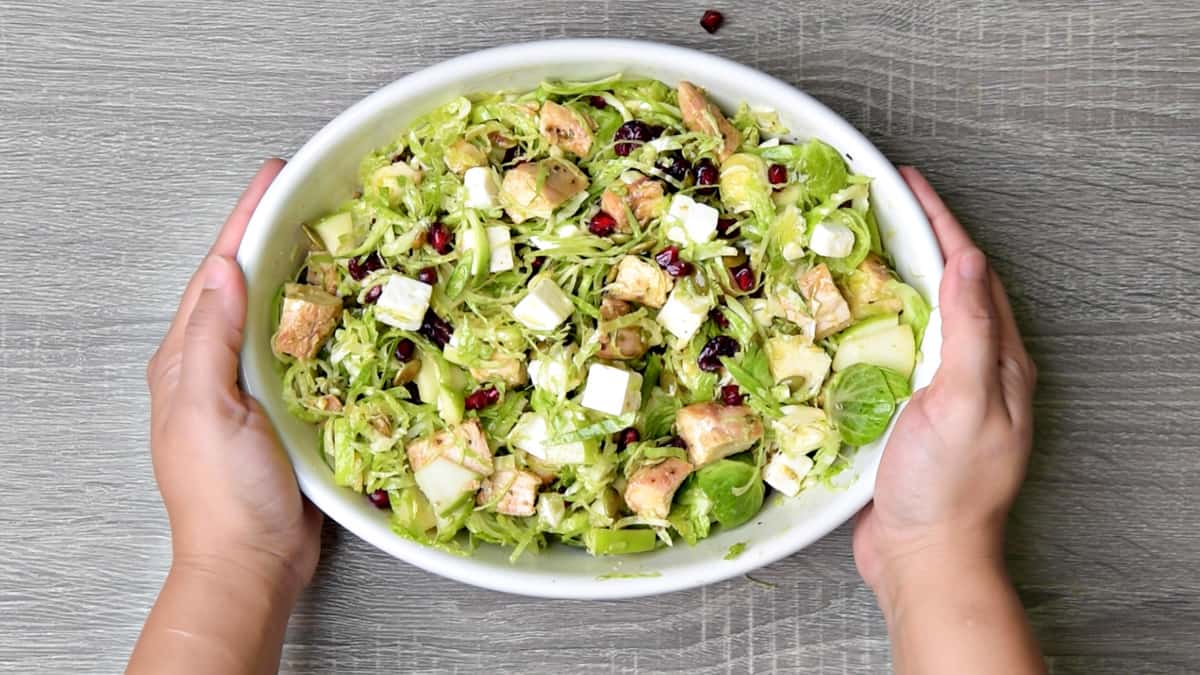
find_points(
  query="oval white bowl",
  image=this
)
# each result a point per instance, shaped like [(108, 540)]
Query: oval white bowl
[(323, 173)]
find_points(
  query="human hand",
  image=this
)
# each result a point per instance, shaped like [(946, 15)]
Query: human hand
[(957, 455), (227, 485)]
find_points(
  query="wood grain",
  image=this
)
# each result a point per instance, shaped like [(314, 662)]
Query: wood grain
[(1064, 134)]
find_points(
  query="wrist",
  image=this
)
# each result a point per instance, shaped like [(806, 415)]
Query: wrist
[(259, 578), (936, 566), (218, 613)]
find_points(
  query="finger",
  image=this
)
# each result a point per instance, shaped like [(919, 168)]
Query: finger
[(226, 245), (1018, 375), (950, 234), (1011, 344), (213, 334), (970, 330), (231, 233)]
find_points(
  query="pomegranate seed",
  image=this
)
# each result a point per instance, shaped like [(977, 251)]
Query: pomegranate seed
[(535, 265), (636, 132), (427, 276), (602, 224), (718, 318), (435, 329), (726, 227), (482, 398), (372, 295), (405, 349), (743, 277), (440, 239), (713, 350), (359, 268), (677, 167), (706, 175), (380, 499), (597, 101), (777, 174), (680, 268), (711, 21), (731, 395), (627, 437), (667, 256)]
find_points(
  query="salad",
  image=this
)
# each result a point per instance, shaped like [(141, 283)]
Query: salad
[(606, 314)]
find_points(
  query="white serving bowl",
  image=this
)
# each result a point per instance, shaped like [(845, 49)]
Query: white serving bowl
[(323, 173)]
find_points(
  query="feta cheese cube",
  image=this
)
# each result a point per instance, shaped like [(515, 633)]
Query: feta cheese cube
[(784, 472), (612, 391), (832, 240), (500, 243), (403, 302), (544, 307), (483, 188), (684, 313), (690, 222)]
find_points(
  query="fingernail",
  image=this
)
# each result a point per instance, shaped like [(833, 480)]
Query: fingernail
[(216, 272), (972, 265)]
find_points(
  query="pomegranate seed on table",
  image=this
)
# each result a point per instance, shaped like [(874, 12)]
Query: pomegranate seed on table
[(440, 239), (743, 277), (435, 329), (636, 132), (711, 20), (380, 499), (718, 318), (627, 437), (359, 268), (777, 174), (597, 101), (680, 268), (731, 395), (405, 349), (713, 350), (372, 295), (427, 276), (706, 175), (482, 398), (667, 256), (726, 227), (602, 224)]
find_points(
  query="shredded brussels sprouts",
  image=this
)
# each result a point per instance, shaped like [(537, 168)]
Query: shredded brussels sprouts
[(592, 314)]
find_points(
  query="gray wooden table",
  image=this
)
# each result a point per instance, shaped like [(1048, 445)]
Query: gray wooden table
[(1064, 133)]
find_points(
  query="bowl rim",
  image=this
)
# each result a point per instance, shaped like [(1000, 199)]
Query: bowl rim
[(468, 570)]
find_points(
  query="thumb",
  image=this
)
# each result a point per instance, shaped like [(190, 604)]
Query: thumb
[(213, 334), (970, 332)]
